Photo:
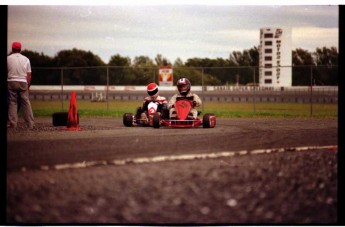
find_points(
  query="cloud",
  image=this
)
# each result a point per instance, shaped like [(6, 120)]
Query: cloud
[(310, 37), (172, 30)]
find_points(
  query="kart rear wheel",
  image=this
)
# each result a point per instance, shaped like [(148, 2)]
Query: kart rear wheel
[(209, 121), (156, 121), (128, 119)]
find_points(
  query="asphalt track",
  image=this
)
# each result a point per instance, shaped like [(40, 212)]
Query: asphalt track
[(251, 170)]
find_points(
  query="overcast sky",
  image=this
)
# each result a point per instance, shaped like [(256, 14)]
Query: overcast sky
[(179, 30)]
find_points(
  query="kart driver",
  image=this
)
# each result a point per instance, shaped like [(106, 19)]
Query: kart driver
[(152, 91), (183, 87)]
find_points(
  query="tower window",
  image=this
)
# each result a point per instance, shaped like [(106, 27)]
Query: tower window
[(268, 35)]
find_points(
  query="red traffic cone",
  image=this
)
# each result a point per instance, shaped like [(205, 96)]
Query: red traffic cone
[(72, 120), (333, 148)]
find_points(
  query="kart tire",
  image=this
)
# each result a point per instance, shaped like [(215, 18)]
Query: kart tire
[(206, 121), (156, 121), (60, 118), (128, 119)]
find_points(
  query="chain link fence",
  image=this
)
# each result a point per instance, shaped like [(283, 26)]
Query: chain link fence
[(310, 84), (205, 76)]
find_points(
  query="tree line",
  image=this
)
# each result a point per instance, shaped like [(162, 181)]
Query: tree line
[(241, 67)]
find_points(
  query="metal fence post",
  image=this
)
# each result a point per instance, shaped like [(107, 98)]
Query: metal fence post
[(61, 89), (107, 91), (202, 88), (311, 90), (254, 85)]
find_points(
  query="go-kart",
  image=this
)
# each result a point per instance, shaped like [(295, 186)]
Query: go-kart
[(130, 119), (183, 118)]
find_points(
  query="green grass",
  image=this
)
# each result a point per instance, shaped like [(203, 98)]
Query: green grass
[(272, 109), (220, 109)]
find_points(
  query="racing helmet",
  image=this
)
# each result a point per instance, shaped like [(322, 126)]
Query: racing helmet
[(152, 89), (183, 86)]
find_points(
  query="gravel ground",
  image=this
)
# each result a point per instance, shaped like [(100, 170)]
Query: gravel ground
[(292, 187), (285, 188)]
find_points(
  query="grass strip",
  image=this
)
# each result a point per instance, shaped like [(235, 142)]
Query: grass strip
[(220, 109)]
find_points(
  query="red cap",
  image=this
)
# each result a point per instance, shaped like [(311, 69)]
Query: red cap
[(16, 45)]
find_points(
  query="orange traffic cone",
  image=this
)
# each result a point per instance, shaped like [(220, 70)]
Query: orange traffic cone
[(72, 120)]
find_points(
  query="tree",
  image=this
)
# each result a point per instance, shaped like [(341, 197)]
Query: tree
[(120, 75), (326, 56), (142, 61), (81, 58), (194, 71), (302, 57), (327, 71), (118, 60), (322, 65), (42, 76), (301, 61), (77, 58), (38, 59), (144, 70), (238, 66), (254, 56), (240, 58), (178, 62), (248, 58), (161, 61)]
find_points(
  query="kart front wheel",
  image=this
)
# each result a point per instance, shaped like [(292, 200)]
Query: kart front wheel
[(128, 119), (156, 121), (209, 121)]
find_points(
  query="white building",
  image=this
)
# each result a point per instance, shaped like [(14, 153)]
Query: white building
[(275, 57)]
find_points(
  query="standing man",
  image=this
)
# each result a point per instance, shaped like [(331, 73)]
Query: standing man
[(18, 83)]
